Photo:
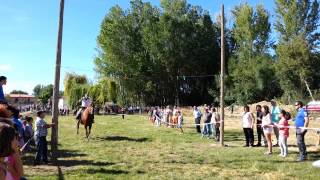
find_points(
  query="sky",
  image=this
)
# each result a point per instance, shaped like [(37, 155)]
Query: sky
[(28, 36)]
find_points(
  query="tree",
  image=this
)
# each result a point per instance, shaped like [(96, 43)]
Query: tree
[(99, 92), (18, 92), (251, 68), (46, 94), (147, 50), (112, 91), (75, 86), (37, 90), (43, 93), (297, 22)]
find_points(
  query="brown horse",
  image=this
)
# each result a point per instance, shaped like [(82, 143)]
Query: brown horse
[(87, 120)]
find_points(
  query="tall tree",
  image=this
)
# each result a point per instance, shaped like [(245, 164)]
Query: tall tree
[(251, 68), (297, 22), (148, 51), (75, 86)]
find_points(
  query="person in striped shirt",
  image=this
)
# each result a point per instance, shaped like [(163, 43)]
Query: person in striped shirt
[(41, 133)]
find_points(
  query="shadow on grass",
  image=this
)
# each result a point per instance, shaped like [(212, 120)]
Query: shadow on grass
[(71, 163), (121, 138), (294, 145), (29, 158), (106, 171), (233, 136), (60, 174)]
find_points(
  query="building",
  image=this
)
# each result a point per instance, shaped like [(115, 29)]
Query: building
[(21, 99)]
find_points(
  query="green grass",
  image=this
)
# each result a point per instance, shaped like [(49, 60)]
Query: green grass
[(134, 149)]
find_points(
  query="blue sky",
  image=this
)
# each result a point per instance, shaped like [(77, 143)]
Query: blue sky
[(28, 34)]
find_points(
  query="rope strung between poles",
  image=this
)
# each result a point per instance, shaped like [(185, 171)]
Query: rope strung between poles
[(203, 124)]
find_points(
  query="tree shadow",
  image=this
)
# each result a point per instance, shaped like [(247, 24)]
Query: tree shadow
[(294, 145), (28, 158), (71, 163), (106, 171), (60, 174), (64, 159), (121, 138)]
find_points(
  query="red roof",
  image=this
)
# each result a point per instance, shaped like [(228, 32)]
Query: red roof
[(21, 96)]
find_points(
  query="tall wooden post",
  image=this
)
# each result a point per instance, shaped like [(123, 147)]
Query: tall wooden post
[(55, 110), (222, 79)]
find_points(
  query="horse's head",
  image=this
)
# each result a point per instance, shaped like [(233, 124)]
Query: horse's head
[(90, 109)]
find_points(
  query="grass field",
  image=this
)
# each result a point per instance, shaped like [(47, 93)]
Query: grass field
[(135, 149)]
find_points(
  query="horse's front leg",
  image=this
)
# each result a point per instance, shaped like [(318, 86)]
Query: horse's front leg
[(78, 123), (87, 132)]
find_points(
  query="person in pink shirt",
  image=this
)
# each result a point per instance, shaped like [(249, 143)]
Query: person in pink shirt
[(283, 133)]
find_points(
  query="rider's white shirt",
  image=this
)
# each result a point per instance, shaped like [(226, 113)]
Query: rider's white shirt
[(85, 102)]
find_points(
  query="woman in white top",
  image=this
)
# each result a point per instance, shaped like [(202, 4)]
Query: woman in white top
[(247, 124), (267, 127), (215, 120)]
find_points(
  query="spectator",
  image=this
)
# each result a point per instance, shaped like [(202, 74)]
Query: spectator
[(3, 81), (28, 132), (259, 126), (197, 118), (40, 136), (215, 119), (267, 127), (302, 122), (283, 134), (207, 126), (275, 112), (18, 125), (180, 121), (247, 124), (10, 160)]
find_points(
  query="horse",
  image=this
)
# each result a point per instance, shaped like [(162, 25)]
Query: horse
[(87, 117)]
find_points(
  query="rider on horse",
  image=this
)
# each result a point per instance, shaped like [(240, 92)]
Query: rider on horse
[(85, 102)]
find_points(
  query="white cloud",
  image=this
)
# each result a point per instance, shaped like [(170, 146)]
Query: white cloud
[(5, 67)]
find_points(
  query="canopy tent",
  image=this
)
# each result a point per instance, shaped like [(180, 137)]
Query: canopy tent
[(313, 106)]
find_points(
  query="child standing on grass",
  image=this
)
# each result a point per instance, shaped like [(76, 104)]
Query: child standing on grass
[(283, 133), (40, 136), (28, 132), (180, 121)]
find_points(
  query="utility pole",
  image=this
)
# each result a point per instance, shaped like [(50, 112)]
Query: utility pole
[(222, 79), (55, 110)]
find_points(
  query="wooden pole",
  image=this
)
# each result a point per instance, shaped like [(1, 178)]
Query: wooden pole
[(55, 110), (222, 79)]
